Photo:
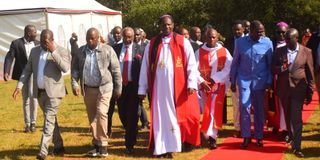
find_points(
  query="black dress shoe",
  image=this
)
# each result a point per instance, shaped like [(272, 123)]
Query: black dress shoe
[(275, 130), (58, 151), (168, 155), (298, 153), (187, 147), (41, 156), (259, 143), (212, 143), (245, 143), (129, 150)]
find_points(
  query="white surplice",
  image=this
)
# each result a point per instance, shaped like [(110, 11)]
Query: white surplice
[(221, 77), (166, 131)]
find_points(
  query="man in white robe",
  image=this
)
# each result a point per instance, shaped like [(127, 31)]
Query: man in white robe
[(165, 64), (214, 65)]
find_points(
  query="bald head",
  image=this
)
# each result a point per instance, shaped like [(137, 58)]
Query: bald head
[(212, 37), (292, 32), (292, 36), (92, 38)]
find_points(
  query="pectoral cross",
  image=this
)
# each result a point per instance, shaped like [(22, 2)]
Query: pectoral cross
[(162, 64)]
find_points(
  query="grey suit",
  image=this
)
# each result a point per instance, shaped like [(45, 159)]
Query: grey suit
[(54, 89)]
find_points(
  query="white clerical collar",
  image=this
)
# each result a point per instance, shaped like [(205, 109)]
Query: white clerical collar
[(218, 46)]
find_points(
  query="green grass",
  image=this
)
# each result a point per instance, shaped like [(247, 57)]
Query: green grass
[(14, 144)]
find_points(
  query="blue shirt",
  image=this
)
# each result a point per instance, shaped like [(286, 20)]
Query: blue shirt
[(251, 65), (41, 65)]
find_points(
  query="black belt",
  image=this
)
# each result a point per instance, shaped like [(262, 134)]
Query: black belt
[(41, 90), (91, 86)]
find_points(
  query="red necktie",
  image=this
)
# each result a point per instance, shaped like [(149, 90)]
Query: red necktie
[(125, 67)]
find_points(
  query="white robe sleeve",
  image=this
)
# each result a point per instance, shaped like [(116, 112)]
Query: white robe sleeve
[(143, 78), (199, 79), (192, 67), (223, 75)]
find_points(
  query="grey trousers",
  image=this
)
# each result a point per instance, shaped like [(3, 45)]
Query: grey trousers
[(51, 128), (30, 103)]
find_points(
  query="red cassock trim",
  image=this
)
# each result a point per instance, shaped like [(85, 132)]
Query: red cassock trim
[(205, 71), (187, 106)]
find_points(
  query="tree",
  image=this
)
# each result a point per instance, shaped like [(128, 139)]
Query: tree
[(220, 14)]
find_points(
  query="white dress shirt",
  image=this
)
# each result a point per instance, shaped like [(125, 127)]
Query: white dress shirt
[(292, 54), (28, 46)]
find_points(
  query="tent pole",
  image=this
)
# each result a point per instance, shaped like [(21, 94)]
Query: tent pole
[(46, 15)]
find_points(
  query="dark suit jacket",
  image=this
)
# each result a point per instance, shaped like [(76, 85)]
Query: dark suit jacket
[(195, 46), (313, 44), (300, 78), (136, 62), (18, 52), (229, 44)]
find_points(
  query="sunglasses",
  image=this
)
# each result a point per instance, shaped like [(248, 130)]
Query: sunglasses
[(281, 32)]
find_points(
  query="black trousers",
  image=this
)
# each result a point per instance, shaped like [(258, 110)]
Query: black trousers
[(110, 114), (224, 118), (128, 105)]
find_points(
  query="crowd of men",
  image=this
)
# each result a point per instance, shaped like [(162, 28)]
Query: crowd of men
[(182, 78)]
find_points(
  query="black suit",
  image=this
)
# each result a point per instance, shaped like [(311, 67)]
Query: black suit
[(229, 44), (195, 46), (18, 52), (128, 103), (313, 44)]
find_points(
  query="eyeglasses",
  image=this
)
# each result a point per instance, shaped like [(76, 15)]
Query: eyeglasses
[(281, 32)]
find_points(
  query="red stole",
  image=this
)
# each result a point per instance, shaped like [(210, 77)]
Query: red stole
[(205, 71), (187, 107)]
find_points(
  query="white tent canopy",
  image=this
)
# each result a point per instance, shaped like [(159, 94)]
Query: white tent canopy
[(61, 16)]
